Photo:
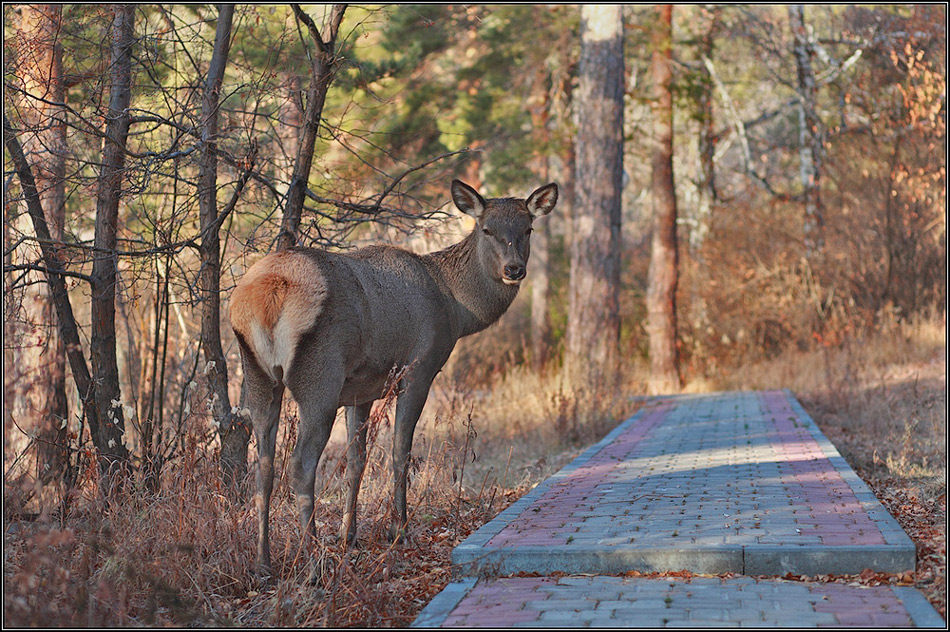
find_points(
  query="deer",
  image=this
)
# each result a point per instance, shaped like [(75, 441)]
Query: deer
[(333, 326)]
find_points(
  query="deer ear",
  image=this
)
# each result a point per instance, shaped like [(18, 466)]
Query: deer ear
[(542, 201), (467, 199)]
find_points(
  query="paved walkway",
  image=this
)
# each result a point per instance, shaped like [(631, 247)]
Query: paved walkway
[(740, 483)]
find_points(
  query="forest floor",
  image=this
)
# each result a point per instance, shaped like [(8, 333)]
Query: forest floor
[(184, 556)]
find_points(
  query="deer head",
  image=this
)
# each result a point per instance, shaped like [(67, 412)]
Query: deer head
[(503, 228)]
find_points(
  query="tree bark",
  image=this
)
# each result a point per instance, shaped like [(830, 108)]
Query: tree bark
[(539, 272), (706, 182), (706, 193), (291, 116), (103, 281), (663, 273), (233, 433), (809, 135), (593, 329), (540, 292), (41, 67), (322, 68), (102, 433)]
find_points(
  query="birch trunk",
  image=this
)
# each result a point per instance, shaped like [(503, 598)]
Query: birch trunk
[(809, 133)]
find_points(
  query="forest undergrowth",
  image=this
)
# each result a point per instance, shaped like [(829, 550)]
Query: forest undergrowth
[(183, 556)]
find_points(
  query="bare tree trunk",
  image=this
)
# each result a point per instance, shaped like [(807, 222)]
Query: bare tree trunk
[(540, 292), (706, 183), (322, 67), (663, 274), (103, 339), (809, 134), (233, 432), (103, 433), (593, 329), (539, 272), (290, 116), (45, 358)]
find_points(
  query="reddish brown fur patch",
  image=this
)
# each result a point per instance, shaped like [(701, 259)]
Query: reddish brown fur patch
[(268, 293), (286, 288)]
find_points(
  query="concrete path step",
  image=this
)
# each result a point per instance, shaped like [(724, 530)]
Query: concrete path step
[(728, 483)]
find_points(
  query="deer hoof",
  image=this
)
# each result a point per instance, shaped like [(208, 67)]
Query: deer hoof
[(399, 535), (349, 540), (314, 578), (264, 572)]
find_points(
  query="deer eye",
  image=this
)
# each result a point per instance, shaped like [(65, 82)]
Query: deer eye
[(488, 232)]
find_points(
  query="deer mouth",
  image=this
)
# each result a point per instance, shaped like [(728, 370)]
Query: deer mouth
[(508, 281)]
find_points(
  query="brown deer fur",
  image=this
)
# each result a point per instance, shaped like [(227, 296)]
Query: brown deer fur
[(332, 327)]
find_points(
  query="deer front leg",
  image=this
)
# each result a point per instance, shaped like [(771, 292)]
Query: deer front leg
[(356, 418), (408, 409)]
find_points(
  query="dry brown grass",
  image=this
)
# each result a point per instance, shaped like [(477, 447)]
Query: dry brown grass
[(527, 424), (184, 556)]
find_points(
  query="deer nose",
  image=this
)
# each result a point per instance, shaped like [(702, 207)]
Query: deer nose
[(514, 272)]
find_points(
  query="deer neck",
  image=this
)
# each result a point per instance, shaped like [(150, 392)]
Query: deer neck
[(477, 299)]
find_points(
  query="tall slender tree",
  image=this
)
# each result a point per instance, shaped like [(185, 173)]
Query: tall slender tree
[(234, 434), (540, 107), (593, 328), (97, 382), (663, 274), (103, 280), (323, 62), (43, 109), (706, 175), (105, 435)]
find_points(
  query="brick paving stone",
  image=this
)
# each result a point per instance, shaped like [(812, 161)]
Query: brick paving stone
[(575, 601), (737, 483), (746, 472)]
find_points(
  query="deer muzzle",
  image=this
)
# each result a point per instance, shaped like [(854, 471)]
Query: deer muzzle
[(514, 274)]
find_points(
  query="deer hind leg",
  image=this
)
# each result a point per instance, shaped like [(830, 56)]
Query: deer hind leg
[(264, 397), (317, 404), (356, 418)]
